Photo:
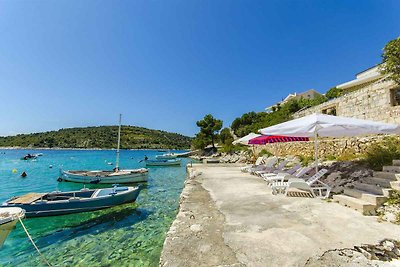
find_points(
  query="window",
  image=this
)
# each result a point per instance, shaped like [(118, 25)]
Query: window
[(329, 111), (395, 97)]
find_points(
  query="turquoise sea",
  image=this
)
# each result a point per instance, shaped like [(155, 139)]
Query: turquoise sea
[(127, 235)]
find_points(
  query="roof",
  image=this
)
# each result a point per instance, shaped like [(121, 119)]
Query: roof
[(365, 76)]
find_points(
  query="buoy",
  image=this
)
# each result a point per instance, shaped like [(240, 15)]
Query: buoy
[(14, 171)]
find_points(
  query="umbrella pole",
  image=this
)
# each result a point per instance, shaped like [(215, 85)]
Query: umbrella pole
[(316, 150)]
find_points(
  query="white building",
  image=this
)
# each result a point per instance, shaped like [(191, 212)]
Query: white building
[(362, 79), (309, 94)]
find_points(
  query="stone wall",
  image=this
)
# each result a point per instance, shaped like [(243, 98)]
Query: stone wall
[(371, 102), (327, 147)]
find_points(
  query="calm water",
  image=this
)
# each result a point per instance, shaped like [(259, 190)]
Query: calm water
[(127, 235)]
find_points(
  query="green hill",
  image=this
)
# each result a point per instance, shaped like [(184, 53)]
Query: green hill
[(100, 137)]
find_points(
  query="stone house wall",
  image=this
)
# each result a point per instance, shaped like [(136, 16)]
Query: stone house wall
[(372, 102), (327, 147)]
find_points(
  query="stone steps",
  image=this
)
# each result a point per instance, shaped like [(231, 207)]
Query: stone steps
[(374, 199), (395, 185), (372, 192), (363, 206), (373, 189), (393, 169), (386, 175), (377, 181)]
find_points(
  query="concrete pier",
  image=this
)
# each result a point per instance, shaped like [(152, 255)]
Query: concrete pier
[(228, 218)]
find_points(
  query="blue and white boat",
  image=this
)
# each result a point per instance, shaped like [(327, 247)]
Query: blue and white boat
[(167, 156), (165, 162), (60, 203)]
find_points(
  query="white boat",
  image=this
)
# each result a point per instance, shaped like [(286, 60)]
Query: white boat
[(105, 177), (116, 176), (165, 162), (167, 156), (8, 219)]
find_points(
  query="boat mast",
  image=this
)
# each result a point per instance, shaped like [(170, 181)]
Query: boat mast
[(119, 141)]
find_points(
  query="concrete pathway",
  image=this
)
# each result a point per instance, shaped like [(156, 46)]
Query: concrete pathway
[(260, 229)]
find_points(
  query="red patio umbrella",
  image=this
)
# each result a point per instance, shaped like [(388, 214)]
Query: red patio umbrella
[(267, 139)]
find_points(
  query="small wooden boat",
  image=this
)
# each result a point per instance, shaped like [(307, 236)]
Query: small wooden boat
[(116, 176), (8, 219), (167, 156), (60, 203), (105, 177), (165, 162)]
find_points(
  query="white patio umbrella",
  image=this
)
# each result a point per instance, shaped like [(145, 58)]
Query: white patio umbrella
[(245, 139), (315, 125)]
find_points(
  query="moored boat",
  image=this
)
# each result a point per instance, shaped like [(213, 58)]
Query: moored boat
[(167, 156), (8, 219), (29, 156), (166, 162), (116, 176), (105, 177), (60, 203)]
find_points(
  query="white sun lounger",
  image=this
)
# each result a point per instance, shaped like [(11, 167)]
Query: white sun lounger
[(285, 176), (311, 188), (268, 164), (259, 161), (278, 168), (292, 170), (281, 186)]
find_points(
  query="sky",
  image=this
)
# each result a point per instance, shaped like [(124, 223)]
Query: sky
[(164, 64)]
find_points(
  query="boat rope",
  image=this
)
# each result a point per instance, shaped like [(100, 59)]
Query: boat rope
[(33, 243)]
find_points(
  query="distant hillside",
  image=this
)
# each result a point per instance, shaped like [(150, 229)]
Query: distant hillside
[(99, 137)]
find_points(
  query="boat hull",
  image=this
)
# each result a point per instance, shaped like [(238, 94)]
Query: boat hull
[(104, 179), (62, 207), (163, 163), (8, 223), (166, 156), (5, 230)]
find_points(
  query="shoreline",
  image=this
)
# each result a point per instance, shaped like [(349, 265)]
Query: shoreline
[(230, 218), (95, 149)]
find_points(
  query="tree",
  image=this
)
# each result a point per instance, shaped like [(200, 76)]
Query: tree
[(391, 60), (334, 92), (209, 127), (200, 141), (225, 136)]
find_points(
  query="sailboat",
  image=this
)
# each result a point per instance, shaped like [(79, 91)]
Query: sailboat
[(115, 176)]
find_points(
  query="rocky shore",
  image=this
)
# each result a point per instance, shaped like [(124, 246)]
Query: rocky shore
[(385, 253)]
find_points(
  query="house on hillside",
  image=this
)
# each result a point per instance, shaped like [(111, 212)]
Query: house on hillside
[(309, 94), (368, 96)]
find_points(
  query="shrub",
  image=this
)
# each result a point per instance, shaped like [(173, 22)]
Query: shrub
[(334, 92), (394, 198), (348, 156), (264, 152), (306, 160), (331, 157), (379, 155)]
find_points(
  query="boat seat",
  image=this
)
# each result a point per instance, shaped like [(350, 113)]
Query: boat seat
[(27, 199)]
